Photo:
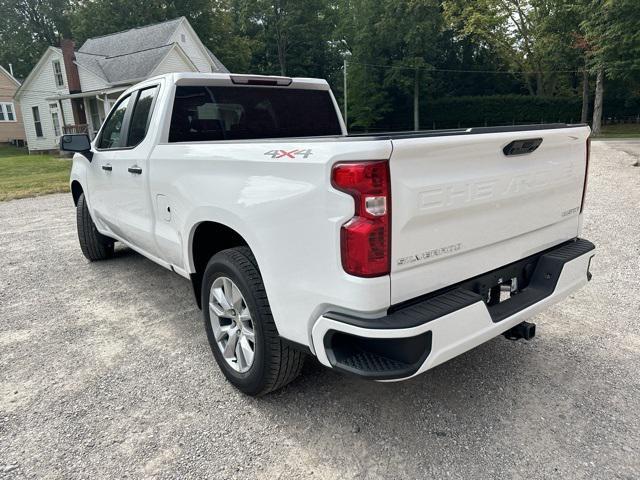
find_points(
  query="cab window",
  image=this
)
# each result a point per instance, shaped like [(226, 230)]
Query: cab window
[(141, 116), (112, 131), (205, 113)]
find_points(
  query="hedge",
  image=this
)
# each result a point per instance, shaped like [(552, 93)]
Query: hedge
[(498, 110), (621, 107), (474, 111)]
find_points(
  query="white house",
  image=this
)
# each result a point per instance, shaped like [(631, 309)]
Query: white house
[(71, 91)]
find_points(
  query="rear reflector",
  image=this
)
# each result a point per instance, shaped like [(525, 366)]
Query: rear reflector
[(365, 240)]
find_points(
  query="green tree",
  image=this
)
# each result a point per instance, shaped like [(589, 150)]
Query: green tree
[(290, 37), (100, 17), (612, 29), (535, 37), (369, 101), (28, 27), (392, 44), (212, 20)]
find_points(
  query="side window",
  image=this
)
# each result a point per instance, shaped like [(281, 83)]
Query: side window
[(36, 121), (112, 130), (9, 108), (57, 73), (6, 112), (141, 116)]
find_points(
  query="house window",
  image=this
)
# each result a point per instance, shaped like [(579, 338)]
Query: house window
[(55, 119), (57, 72), (36, 121), (183, 38), (6, 112)]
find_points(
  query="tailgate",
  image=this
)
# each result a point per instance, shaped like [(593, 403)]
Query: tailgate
[(461, 206)]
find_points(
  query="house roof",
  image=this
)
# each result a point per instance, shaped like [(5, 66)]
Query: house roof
[(133, 54), (221, 68), (9, 76), (133, 40), (119, 69), (33, 73)]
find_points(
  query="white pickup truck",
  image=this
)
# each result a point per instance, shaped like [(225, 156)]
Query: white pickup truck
[(382, 255)]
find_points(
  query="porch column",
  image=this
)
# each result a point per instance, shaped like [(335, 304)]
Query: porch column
[(105, 104), (89, 118), (64, 121)]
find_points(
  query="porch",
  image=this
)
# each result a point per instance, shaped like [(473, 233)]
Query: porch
[(89, 109)]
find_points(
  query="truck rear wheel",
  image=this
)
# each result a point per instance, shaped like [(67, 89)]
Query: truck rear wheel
[(240, 327), (93, 244)]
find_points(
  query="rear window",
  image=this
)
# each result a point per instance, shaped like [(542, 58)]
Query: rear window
[(238, 113)]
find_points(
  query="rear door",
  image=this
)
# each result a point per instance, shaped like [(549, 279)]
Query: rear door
[(466, 204), (230, 122)]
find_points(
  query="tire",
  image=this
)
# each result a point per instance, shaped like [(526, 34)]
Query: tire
[(274, 363), (93, 244)]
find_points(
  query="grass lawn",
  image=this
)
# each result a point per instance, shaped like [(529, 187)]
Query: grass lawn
[(621, 130), (23, 175)]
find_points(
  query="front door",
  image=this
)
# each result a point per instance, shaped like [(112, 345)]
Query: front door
[(101, 175), (130, 198)]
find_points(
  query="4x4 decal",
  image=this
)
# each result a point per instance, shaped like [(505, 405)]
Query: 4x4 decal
[(290, 154)]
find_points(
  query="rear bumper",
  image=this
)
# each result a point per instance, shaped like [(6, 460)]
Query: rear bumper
[(418, 335)]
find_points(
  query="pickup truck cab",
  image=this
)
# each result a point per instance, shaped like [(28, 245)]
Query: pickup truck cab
[(382, 255)]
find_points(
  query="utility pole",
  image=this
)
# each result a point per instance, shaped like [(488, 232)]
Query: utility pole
[(416, 101), (345, 92)]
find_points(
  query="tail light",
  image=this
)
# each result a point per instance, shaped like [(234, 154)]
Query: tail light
[(586, 173), (365, 240)]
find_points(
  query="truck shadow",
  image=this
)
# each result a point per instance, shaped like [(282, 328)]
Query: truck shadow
[(474, 381), (487, 396)]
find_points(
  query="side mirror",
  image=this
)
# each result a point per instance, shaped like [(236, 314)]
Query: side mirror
[(77, 143)]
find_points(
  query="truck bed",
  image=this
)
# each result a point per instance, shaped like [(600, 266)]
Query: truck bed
[(463, 131)]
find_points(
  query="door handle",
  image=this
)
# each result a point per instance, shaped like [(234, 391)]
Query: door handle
[(107, 167), (135, 169)]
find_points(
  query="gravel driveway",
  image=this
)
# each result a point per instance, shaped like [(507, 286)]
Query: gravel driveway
[(105, 372)]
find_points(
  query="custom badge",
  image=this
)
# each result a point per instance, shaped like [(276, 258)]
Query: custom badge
[(436, 252)]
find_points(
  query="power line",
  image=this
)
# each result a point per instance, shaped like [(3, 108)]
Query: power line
[(521, 72), (449, 70), (49, 92), (395, 67)]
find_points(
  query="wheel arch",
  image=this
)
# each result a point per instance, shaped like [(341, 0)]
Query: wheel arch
[(207, 239), (76, 191)]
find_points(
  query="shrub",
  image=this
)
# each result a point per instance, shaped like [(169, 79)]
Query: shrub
[(498, 110)]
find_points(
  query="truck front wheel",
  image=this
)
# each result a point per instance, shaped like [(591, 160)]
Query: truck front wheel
[(93, 244), (240, 328)]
